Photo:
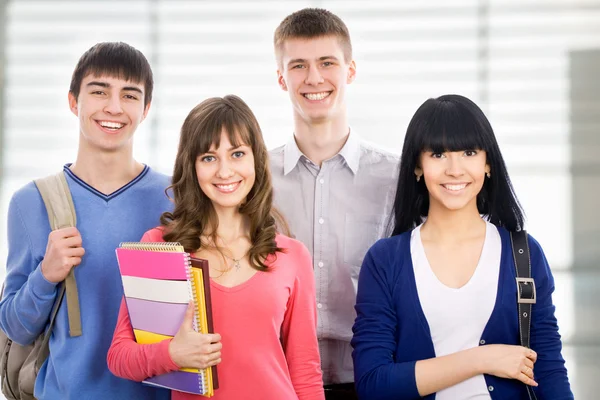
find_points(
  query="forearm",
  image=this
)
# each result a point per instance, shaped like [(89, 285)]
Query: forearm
[(439, 373), (130, 360), (26, 306)]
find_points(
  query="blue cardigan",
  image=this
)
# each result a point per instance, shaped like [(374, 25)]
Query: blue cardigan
[(391, 332)]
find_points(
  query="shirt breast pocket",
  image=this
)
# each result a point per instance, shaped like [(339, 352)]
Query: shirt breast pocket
[(361, 232)]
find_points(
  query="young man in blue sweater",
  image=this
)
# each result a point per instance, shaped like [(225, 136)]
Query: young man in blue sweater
[(116, 199)]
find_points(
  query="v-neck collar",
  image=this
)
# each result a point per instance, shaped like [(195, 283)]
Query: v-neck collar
[(105, 197)]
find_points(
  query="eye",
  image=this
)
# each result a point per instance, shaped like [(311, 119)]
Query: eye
[(470, 153), (297, 66), (207, 159), (130, 97), (437, 155), (238, 154), (327, 64), (98, 92)]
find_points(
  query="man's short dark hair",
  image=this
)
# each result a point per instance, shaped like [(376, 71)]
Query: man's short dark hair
[(114, 59), (310, 23)]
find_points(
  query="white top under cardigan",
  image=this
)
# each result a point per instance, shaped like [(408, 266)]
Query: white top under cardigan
[(457, 317)]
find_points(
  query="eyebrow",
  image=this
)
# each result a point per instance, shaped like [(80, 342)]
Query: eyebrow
[(230, 149), (107, 85), (301, 60)]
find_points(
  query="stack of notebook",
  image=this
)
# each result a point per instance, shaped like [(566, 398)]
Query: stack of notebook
[(159, 280)]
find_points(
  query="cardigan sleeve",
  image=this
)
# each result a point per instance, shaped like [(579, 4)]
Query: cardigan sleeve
[(299, 329), (126, 358), (377, 376), (549, 370)]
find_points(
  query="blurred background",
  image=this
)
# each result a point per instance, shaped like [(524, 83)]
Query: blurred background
[(532, 65)]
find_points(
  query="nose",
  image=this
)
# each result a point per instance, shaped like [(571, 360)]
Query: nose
[(225, 171), (113, 105), (454, 166), (313, 76)]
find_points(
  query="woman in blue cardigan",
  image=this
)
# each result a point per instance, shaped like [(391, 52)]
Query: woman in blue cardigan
[(437, 301)]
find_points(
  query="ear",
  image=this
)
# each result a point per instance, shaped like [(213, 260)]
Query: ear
[(487, 168), (73, 104), (281, 81), (351, 72), (146, 109)]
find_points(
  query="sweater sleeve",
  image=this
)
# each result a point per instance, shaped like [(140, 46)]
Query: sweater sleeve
[(28, 297), (130, 360), (299, 330), (549, 370), (377, 376)]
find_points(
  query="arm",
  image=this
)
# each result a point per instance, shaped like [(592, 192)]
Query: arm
[(377, 375), (127, 359), (299, 331), (28, 297), (549, 370)]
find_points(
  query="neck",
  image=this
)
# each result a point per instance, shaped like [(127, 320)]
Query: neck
[(105, 171), (453, 226), (321, 141), (232, 224)]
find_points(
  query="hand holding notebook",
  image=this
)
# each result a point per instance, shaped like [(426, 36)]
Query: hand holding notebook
[(190, 349)]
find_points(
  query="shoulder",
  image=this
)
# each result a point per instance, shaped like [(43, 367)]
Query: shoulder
[(292, 247), (157, 178), (376, 153), (276, 156), (28, 202), (154, 235), (27, 194)]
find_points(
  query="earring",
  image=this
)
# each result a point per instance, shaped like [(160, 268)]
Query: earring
[(418, 178), (489, 175)]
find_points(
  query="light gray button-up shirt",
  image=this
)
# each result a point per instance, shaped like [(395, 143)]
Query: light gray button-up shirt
[(338, 211)]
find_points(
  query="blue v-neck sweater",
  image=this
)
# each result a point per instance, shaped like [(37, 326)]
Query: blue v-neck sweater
[(76, 367), (391, 332)]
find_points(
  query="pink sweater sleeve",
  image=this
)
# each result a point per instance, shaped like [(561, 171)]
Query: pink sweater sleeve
[(130, 360), (300, 330)]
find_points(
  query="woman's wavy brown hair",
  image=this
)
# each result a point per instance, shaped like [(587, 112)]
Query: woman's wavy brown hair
[(194, 213)]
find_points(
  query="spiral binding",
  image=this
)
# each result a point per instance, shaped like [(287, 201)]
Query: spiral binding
[(202, 373), (173, 247)]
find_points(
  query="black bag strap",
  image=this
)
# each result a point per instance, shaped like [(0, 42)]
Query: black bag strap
[(526, 295)]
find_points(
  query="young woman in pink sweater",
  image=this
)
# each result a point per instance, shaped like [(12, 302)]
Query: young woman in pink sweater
[(262, 285)]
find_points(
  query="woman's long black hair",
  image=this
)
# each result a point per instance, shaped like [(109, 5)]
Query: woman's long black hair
[(453, 123)]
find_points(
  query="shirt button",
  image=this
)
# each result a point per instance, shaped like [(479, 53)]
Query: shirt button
[(319, 305), (321, 220), (482, 341), (320, 264), (491, 388), (322, 180)]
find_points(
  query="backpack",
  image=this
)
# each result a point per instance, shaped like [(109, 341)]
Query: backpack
[(19, 365)]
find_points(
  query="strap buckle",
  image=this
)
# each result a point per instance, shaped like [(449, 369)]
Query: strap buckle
[(526, 291)]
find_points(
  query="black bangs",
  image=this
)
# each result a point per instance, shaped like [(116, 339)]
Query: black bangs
[(446, 127)]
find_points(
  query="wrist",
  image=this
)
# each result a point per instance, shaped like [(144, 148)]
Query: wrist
[(479, 357)]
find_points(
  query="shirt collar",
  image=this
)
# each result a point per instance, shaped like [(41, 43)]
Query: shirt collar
[(350, 152)]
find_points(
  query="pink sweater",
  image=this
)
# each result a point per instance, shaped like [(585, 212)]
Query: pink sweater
[(250, 318)]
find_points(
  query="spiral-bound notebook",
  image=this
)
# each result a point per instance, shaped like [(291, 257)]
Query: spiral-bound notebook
[(159, 280)]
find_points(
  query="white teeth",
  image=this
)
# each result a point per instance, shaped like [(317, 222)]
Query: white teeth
[(455, 188), (111, 125), (227, 188), (316, 96)]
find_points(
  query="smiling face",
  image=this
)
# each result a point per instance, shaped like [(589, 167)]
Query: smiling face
[(226, 174), (315, 74), (454, 178), (109, 111)]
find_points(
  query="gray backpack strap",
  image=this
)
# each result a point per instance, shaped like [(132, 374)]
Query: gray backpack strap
[(61, 214)]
